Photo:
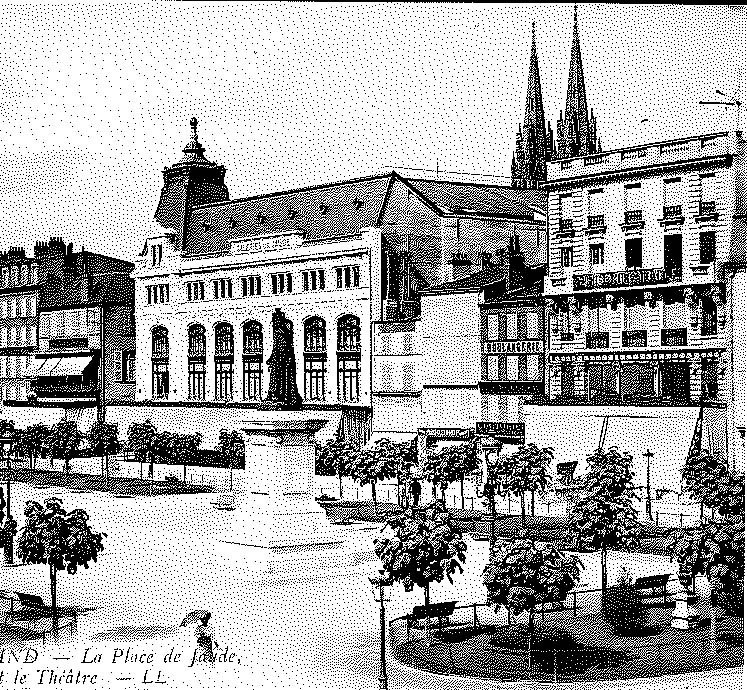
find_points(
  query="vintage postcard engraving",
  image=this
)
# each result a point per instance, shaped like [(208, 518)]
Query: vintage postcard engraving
[(372, 345)]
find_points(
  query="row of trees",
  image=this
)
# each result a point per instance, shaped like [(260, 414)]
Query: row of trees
[(524, 472)]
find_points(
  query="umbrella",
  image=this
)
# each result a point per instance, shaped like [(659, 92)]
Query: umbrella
[(195, 617)]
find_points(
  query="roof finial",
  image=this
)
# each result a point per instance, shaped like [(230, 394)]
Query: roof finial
[(575, 14), (193, 125), (532, 31)]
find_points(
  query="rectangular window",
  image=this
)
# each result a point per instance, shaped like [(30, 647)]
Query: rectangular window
[(158, 294), (252, 378), (522, 368), (510, 326), (496, 326), (313, 280), (566, 257), (314, 375), (634, 252), (127, 373), (596, 254), (707, 247), (348, 378), (347, 276), (633, 197), (533, 367), (196, 379), (532, 326), (281, 283), (566, 208), (673, 256), (512, 368), (222, 288), (156, 254), (195, 290), (521, 326), (44, 325), (251, 286), (673, 198), (596, 208), (708, 188), (223, 380)]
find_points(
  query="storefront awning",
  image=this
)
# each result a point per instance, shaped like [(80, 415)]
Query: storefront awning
[(393, 436), (71, 366), (45, 366)]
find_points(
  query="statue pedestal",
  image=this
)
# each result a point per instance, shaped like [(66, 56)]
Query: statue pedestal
[(684, 616), (276, 520)]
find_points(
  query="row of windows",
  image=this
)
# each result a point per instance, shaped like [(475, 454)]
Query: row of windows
[(634, 251), (124, 365), (14, 366), (17, 392), (158, 294), (69, 323), (281, 283), (16, 335), (513, 326), (514, 368), (315, 360), (19, 275), (17, 306)]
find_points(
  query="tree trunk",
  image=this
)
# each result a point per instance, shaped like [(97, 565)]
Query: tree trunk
[(427, 614), (461, 489), (230, 478), (530, 629), (373, 496), (339, 474), (53, 586), (523, 511), (604, 574), (106, 468), (532, 502)]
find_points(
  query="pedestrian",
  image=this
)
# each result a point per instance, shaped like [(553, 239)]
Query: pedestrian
[(206, 639), (415, 489)]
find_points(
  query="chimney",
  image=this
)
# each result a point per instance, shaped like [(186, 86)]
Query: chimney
[(461, 266), (486, 260), (85, 279)]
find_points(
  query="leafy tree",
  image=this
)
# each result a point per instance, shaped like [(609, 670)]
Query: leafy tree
[(336, 456), (603, 517), (373, 463), (523, 574), (451, 464), (231, 447), (425, 548), (61, 540), (104, 441), (64, 441), (701, 475), (186, 447), (139, 442), (7, 427), (523, 471), (36, 437), (22, 445)]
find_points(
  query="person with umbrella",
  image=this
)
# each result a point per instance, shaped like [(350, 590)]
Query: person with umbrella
[(205, 636)]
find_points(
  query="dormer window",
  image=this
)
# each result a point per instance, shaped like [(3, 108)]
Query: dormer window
[(358, 203), (156, 254), (232, 223), (261, 218), (292, 213), (323, 209)]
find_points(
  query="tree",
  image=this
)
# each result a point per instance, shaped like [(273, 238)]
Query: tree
[(22, 445), (104, 441), (139, 442), (231, 448), (7, 427), (603, 517), (61, 540), (336, 456), (36, 437), (372, 463), (451, 464), (701, 475), (63, 442), (186, 447), (523, 574), (425, 548), (525, 470)]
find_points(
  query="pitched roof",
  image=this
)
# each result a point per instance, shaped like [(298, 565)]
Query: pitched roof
[(116, 288), (471, 283), (341, 210)]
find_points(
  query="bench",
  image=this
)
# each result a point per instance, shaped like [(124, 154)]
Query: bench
[(441, 610), (656, 585), (26, 607), (225, 502)]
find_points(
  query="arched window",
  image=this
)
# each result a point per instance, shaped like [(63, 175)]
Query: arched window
[(252, 356), (223, 361), (315, 358), (348, 358), (708, 308), (160, 362), (196, 362)]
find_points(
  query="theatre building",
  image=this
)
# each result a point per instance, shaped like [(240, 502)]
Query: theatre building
[(638, 314), (335, 258)]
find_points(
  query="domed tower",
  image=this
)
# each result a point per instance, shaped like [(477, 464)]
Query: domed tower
[(192, 181)]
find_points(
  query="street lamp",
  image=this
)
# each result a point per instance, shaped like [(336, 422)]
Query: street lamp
[(648, 455), (6, 447), (381, 589)]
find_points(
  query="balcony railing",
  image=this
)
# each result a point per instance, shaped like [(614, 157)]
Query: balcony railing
[(68, 343), (674, 336), (597, 340), (48, 390), (673, 212), (634, 338), (566, 224), (596, 221), (613, 279), (707, 208), (632, 217), (565, 337)]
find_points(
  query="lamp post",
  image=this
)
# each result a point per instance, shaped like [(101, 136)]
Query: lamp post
[(381, 589), (648, 455), (6, 447)]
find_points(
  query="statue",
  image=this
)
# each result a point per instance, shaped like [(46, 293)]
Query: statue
[(282, 393)]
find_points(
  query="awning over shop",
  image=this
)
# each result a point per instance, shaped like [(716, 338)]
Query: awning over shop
[(44, 366), (393, 436), (71, 366)]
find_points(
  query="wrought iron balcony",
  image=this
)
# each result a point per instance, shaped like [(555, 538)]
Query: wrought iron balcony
[(565, 337), (673, 213), (73, 390), (614, 279), (707, 208), (597, 340), (633, 217), (566, 227), (634, 338), (596, 221), (674, 336)]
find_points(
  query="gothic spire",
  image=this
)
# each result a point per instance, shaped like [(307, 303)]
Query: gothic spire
[(577, 132), (532, 149)]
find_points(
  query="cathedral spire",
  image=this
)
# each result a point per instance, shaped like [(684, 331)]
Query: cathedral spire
[(577, 132), (532, 151)]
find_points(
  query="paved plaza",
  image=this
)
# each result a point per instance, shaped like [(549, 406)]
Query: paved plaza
[(162, 559)]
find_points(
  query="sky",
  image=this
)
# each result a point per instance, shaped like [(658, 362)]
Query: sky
[(95, 98)]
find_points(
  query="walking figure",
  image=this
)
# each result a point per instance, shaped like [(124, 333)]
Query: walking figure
[(206, 639), (415, 488)]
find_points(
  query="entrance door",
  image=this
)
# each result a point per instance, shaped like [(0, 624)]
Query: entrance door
[(601, 380), (675, 381), (673, 256), (567, 386)]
